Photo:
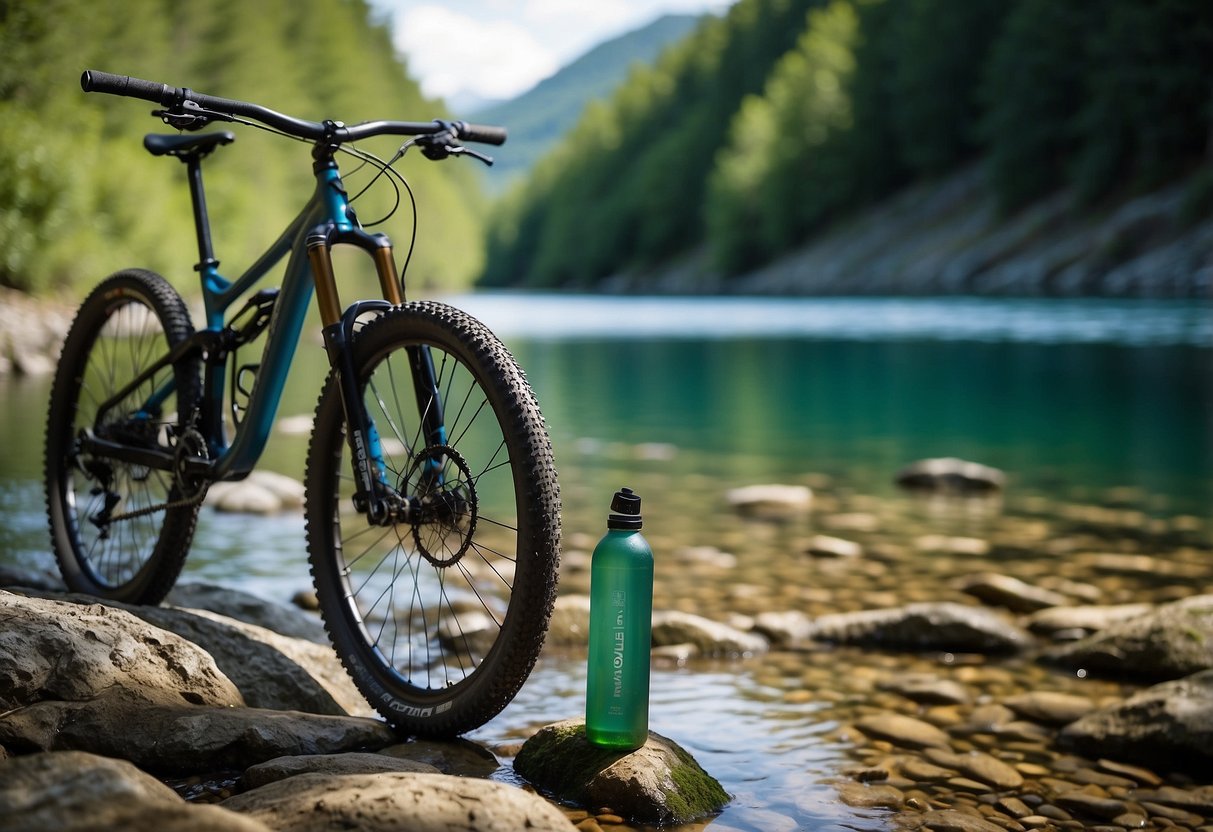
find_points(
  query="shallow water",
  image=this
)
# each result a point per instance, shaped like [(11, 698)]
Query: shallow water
[(1101, 413)]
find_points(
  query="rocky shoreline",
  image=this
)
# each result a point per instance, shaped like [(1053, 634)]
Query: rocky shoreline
[(222, 710)]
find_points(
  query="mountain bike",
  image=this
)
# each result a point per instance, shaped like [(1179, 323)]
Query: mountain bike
[(431, 500)]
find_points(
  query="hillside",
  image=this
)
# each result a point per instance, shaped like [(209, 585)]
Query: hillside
[(79, 196), (539, 117), (751, 139)]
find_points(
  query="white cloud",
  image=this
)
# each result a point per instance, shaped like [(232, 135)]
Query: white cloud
[(499, 48), (450, 52)]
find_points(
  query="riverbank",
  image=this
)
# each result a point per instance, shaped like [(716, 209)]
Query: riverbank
[(970, 659), (947, 238)]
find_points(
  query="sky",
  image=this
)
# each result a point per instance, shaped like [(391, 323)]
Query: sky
[(500, 48)]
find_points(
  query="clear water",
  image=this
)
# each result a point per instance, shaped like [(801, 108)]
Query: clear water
[(686, 398)]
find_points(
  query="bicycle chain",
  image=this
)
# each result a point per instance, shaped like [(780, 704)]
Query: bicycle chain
[(190, 436), (146, 510)]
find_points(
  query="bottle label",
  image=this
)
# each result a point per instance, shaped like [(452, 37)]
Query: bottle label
[(618, 599)]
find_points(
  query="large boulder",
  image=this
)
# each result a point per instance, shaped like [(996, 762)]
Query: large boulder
[(1168, 726), (103, 794), (393, 801), (1173, 641), (186, 739), (657, 783), (72, 652)]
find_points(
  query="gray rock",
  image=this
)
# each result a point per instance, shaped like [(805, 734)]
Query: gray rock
[(270, 670), (1050, 707), (570, 625), (950, 475), (1012, 593), (770, 502), (462, 757), (1175, 640), (825, 546), (903, 731), (44, 580), (786, 627), (711, 638), (1086, 619), (927, 689), (925, 626), (169, 739), (281, 768), (657, 783), (57, 650), (1166, 726), (286, 620), (261, 492), (103, 794), (394, 801)]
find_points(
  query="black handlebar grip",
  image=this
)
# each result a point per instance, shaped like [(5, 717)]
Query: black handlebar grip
[(483, 133), (94, 81)]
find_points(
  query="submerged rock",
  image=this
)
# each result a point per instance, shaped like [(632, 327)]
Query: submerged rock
[(1174, 640), (926, 626), (657, 783), (770, 502), (950, 475), (710, 638)]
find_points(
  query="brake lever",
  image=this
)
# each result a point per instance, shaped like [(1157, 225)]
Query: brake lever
[(460, 150)]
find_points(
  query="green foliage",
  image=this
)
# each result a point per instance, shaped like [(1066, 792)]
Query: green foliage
[(765, 125), (625, 189), (767, 192), (79, 197)]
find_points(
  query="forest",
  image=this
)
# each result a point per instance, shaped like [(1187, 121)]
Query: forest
[(772, 122), (80, 197), (764, 127)]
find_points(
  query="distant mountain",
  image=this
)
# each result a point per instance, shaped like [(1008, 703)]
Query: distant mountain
[(540, 116)]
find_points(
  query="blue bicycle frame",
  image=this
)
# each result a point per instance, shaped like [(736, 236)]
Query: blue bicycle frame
[(326, 220)]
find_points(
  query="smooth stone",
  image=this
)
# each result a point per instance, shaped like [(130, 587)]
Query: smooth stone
[(1085, 619), (927, 689), (1012, 593), (924, 772), (825, 546), (903, 731), (1050, 707), (712, 638), (1081, 803), (948, 820), (946, 626), (455, 756), (770, 502), (387, 801), (990, 770), (284, 619), (867, 796)]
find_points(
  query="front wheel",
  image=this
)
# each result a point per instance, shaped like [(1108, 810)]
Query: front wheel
[(439, 614)]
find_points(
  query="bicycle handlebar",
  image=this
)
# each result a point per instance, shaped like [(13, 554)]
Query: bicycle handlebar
[(176, 97)]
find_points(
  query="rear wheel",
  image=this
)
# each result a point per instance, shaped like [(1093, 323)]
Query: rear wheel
[(110, 529), (438, 615)]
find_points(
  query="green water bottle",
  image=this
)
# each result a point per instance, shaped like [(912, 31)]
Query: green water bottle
[(621, 626)]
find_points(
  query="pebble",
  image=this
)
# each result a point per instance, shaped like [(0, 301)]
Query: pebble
[(904, 731), (1050, 707), (1090, 805)]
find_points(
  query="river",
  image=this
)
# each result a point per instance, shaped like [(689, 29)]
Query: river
[(1101, 405)]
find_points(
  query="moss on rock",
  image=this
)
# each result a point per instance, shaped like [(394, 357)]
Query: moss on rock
[(659, 782)]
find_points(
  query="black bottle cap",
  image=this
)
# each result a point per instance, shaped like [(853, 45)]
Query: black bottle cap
[(625, 510)]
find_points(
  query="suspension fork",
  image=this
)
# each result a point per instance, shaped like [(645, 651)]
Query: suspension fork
[(374, 495)]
